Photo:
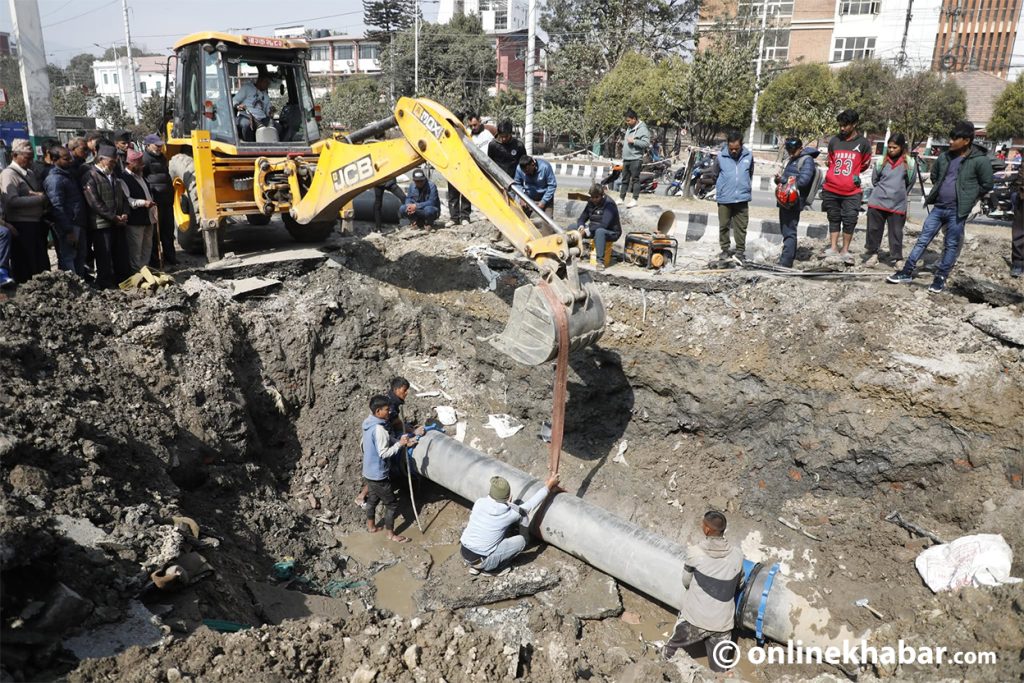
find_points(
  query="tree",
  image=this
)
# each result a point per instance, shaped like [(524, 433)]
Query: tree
[(623, 87), (113, 114), (800, 101), (457, 63), (10, 77), (611, 28), (509, 105), (69, 101), (924, 104), (79, 71), (387, 17), (719, 92), (121, 51), (151, 113), (353, 103), (866, 86), (1008, 115)]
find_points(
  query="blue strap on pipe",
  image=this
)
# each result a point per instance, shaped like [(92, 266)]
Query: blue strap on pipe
[(764, 601)]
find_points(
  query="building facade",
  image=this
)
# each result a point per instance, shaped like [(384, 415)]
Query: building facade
[(979, 35), (113, 79), (511, 49), (497, 16)]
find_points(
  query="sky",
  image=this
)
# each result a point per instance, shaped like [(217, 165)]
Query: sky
[(71, 27)]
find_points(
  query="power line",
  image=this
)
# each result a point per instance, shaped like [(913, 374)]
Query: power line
[(77, 16)]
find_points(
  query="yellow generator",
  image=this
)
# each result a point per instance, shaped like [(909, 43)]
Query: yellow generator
[(214, 140)]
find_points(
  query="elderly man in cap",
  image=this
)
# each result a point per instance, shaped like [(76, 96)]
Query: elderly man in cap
[(109, 203), (24, 205), (158, 177), (422, 205), (141, 213), (486, 546)]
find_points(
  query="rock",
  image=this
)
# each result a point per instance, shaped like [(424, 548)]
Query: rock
[(138, 628), (363, 675), (631, 618), (7, 445), (981, 291), (450, 587), (29, 479), (81, 530), (173, 675), (411, 656), (278, 604), (988, 506), (1001, 323), (92, 450), (64, 608)]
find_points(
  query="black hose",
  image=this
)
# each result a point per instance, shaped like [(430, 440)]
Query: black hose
[(372, 130)]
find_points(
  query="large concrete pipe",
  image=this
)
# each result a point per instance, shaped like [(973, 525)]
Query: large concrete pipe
[(640, 558)]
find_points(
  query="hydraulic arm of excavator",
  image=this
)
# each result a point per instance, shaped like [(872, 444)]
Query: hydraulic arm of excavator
[(314, 189)]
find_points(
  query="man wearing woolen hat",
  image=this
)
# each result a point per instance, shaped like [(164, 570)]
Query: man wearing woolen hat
[(141, 214), (24, 205), (486, 546), (158, 177), (109, 204)]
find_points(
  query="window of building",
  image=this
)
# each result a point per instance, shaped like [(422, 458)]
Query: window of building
[(319, 53), (368, 52), (858, 7), (849, 49), (105, 80), (115, 79), (776, 8), (776, 46), (142, 87), (343, 52)]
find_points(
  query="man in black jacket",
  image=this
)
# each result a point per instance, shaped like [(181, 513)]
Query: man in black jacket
[(600, 221), (158, 177), (506, 150)]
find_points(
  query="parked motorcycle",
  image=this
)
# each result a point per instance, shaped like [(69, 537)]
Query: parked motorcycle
[(699, 187), (999, 204), (648, 180)]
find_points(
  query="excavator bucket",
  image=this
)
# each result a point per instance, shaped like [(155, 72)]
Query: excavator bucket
[(531, 335)]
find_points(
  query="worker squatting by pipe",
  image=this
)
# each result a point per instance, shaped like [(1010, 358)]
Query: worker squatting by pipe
[(650, 563)]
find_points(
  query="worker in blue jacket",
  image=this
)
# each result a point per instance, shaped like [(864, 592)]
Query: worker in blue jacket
[(422, 205), (537, 179)]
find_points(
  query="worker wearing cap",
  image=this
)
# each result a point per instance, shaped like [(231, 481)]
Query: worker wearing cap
[(599, 221), (486, 547), (712, 575), (422, 205), (109, 205), (158, 177)]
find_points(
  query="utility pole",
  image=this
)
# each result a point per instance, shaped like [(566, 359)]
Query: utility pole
[(757, 73), (131, 63), (35, 82), (531, 66), (416, 53), (901, 59)]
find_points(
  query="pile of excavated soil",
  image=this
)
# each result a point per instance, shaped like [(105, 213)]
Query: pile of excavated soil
[(826, 403)]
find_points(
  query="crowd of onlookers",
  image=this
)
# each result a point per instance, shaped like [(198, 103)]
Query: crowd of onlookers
[(106, 205), (960, 177)]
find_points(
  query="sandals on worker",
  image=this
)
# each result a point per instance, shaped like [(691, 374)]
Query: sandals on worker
[(398, 539)]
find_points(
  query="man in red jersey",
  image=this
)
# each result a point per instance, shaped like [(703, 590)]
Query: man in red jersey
[(849, 155)]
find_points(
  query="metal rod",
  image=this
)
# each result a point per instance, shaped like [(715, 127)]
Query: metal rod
[(370, 130)]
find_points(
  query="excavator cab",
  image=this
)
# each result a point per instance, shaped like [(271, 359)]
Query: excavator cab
[(237, 98)]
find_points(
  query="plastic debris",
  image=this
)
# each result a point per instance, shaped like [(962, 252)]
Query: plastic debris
[(446, 414), (621, 457), (503, 425), (977, 560)]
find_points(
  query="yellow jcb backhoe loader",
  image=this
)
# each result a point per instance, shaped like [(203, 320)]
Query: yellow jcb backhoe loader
[(219, 172)]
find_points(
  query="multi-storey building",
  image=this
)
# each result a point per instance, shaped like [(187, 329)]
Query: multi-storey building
[(497, 16), (978, 35)]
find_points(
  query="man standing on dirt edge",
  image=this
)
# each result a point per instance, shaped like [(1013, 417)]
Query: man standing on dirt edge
[(378, 448), (793, 188), (849, 155), (634, 146), (712, 576), (960, 175), (484, 545), (732, 172)]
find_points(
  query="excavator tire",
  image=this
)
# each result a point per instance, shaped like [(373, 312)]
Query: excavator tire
[(311, 232), (257, 219), (190, 239)]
